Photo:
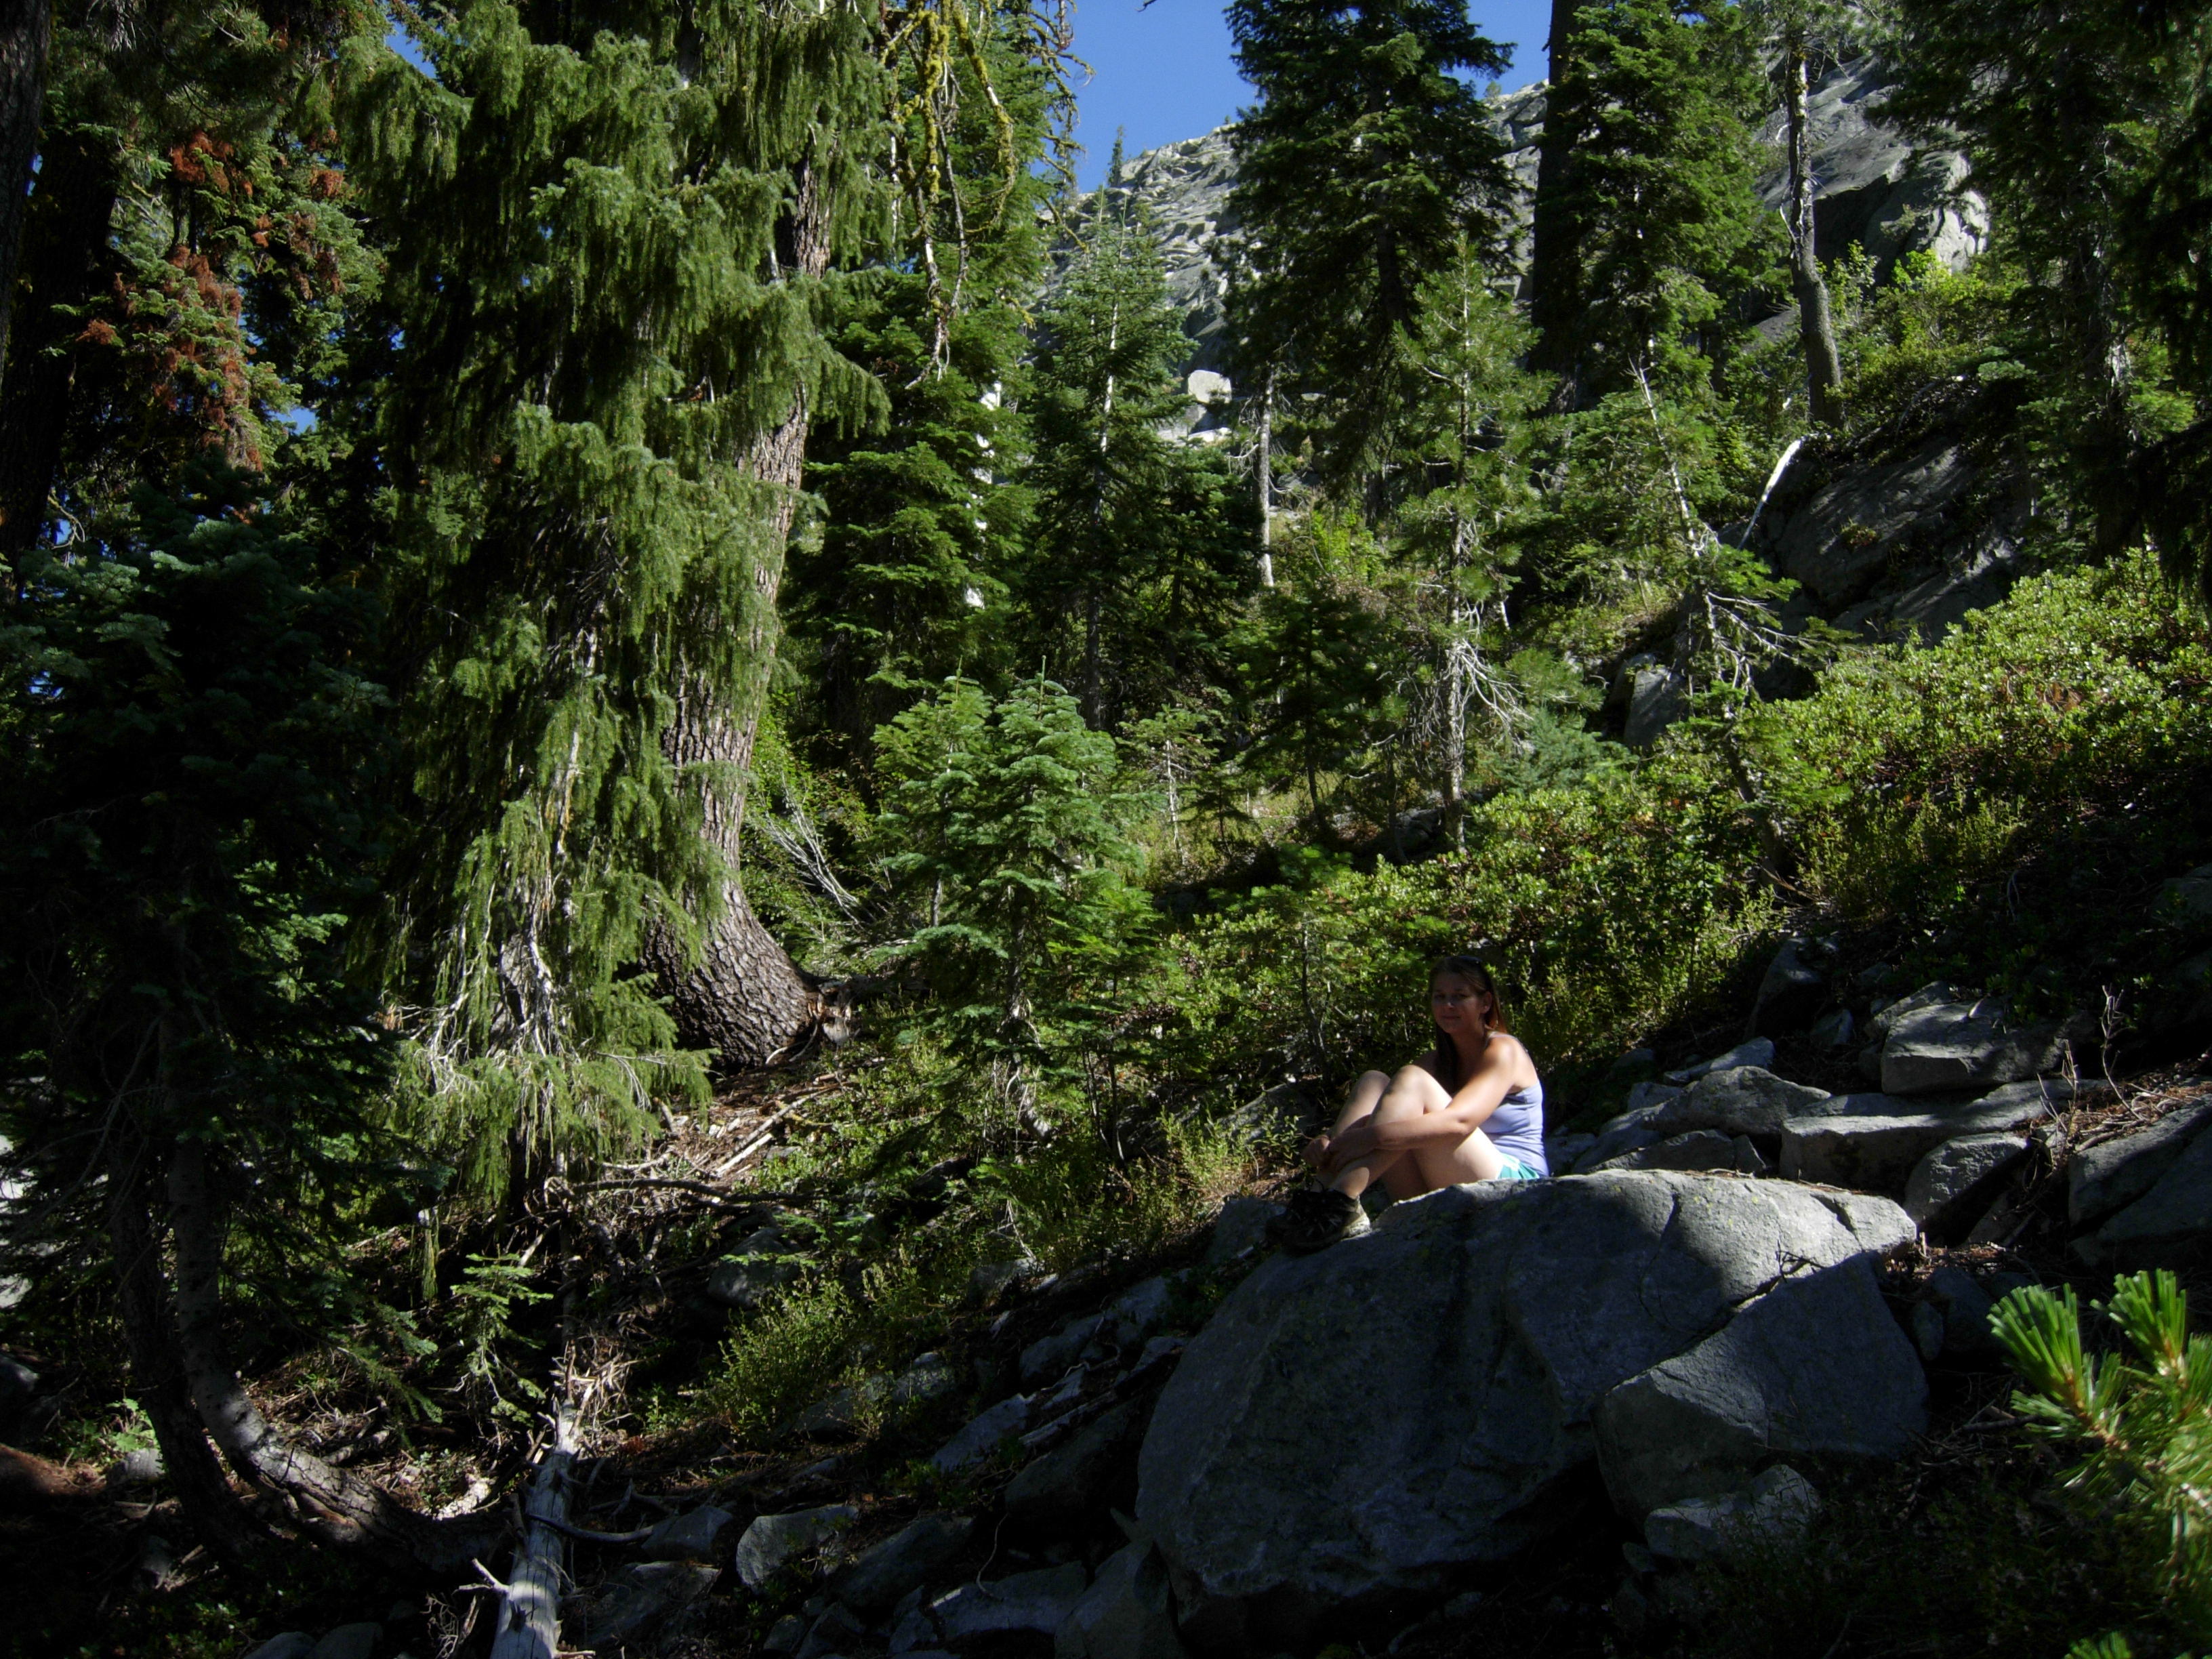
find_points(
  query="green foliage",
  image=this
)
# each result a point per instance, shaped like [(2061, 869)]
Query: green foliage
[(490, 1291), (1364, 170), (183, 845), (1657, 200), (2144, 1425), (1011, 827), (1981, 782)]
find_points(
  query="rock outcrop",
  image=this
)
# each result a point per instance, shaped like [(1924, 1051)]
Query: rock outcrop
[(1371, 1419)]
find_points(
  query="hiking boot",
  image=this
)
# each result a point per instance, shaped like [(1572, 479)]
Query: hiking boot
[(1317, 1219)]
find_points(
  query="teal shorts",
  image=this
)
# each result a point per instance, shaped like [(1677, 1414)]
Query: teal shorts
[(1516, 1170)]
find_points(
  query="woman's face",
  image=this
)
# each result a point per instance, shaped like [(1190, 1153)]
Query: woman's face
[(1457, 1005)]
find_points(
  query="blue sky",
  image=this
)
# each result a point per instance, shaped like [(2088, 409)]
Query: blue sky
[(1163, 72)]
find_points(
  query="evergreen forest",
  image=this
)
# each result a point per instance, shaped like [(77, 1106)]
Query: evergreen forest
[(669, 734)]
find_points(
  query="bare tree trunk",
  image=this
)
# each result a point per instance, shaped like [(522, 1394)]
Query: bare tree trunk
[(1263, 467), (336, 1506), (530, 1621), (742, 996), (27, 30), (150, 1335), (64, 253), (1554, 258), (1816, 325)]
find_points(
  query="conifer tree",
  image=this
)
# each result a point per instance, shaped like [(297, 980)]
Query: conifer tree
[(1364, 166), (1657, 200), (1102, 385)]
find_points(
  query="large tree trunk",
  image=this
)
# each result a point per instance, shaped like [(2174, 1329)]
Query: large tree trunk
[(530, 1617), (741, 995), (1816, 325), (27, 30), (64, 259), (336, 1505)]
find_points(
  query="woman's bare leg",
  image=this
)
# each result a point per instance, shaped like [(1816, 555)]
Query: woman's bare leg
[(1414, 1092)]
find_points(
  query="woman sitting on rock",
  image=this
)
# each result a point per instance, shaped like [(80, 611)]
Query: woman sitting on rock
[(1470, 1110)]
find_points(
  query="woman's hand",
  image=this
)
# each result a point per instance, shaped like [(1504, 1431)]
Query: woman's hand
[(1337, 1151), (1315, 1151)]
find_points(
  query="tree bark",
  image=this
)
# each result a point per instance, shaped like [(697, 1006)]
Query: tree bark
[(64, 260), (741, 996), (335, 1505), (530, 1619), (1263, 467), (27, 31), (1816, 325), (150, 1335)]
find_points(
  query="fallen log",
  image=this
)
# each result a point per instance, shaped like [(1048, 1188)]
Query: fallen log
[(530, 1617)]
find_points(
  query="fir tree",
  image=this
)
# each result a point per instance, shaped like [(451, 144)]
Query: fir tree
[(1102, 385), (1657, 202), (1364, 166)]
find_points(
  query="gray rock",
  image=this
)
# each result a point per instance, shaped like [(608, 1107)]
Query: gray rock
[(359, 1641), (774, 1541), (1625, 1134), (1833, 1030), (1816, 1365), (638, 1597), (1966, 1045), (1778, 1504), (1039, 1602), (1138, 1312), (1927, 996), (292, 1644), (1376, 1416), (140, 1466), (1240, 1226), (988, 1280), (1958, 1174), (1794, 988), (687, 1537), (1560, 1151), (1052, 1354), (2185, 898), (1658, 695), (1701, 1149), (1648, 1093), (1846, 537), (19, 1383), (2169, 1222), (1927, 1327), (1758, 1051), (1741, 1100), (1749, 1160), (1065, 1483), (2113, 1174), (785, 1635), (1288, 1111), (1127, 1613), (902, 1563), (1877, 1151), (838, 1631), (927, 1378), (983, 1435)]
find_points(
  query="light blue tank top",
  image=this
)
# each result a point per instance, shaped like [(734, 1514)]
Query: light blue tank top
[(1517, 1127)]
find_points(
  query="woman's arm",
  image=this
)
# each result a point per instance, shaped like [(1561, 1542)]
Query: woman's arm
[(1472, 1103)]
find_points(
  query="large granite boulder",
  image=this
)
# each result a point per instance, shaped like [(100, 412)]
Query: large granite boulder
[(1815, 1365), (2170, 1224), (1369, 1419), (2113, 1174), (1968, 1045), (1875, 1143)]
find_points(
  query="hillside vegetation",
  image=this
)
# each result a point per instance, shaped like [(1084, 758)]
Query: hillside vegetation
[(660, 760)]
